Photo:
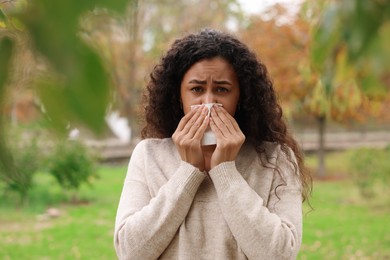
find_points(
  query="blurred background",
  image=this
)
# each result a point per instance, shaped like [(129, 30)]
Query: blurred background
[(72, 74)]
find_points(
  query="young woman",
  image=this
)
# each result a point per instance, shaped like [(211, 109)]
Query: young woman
[(240, 198)]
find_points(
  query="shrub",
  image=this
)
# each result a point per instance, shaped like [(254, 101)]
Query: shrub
[(371, 170), (24, 161), (72, 165)]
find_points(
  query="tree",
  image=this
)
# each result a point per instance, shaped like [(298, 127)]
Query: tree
[(310, 62), (349, 61), (283, 48)]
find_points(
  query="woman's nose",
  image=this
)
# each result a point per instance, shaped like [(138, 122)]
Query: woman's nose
[(209, 98)]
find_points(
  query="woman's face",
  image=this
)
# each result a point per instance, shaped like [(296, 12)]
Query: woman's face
[(210, 81)]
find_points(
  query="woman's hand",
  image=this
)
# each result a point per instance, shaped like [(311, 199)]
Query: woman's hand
[(188, 136), (229, 136)]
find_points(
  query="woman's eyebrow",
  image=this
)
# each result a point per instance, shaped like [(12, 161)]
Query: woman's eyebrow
[(222, 82), (197, 81)]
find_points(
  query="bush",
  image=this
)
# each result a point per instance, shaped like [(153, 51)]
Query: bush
[(72, 165), (24, 161), (371, 170)]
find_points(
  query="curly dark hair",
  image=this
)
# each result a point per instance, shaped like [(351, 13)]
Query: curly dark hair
[(259, 116)]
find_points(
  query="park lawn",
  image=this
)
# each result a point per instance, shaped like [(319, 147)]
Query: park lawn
[(337, 164), (82, 231), (340, 226)]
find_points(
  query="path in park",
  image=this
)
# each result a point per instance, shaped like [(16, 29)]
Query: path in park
[(345, 140)]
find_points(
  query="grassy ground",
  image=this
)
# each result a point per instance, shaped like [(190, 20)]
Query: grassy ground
[(341, 225), (83, 231)]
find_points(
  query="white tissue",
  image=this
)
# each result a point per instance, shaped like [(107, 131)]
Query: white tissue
[(209, 137)]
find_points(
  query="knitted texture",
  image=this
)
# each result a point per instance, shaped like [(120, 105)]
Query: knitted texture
[(239, 210)]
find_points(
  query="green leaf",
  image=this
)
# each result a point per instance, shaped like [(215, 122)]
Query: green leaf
[(82, 97), (52, 96), (350, 52), (325, 38), (360, 31), (82, 94), (6, 48), (93, 91), (3, 19)]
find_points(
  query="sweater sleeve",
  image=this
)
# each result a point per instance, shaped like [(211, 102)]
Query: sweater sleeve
[(145, 225), (272, 232)]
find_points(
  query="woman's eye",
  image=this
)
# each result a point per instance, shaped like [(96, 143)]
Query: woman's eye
[(222, 89), (196, 89)]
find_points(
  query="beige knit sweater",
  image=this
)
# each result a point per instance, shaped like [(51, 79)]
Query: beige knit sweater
[(170, 210)]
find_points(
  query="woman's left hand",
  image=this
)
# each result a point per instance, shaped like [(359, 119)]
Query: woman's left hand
[(229, 136)]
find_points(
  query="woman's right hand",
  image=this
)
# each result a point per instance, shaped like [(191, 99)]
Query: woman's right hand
[(188, 136)]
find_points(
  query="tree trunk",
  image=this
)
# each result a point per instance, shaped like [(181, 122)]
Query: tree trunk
[(321, 146)]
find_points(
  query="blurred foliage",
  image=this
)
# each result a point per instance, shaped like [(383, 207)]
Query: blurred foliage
[(329, 67), (350, 58), (77, 90), (342, 22), (267, 37), (74, 86), (371, 171), (162, 21), (26, 160), (6, 160), (347, 70), (72, 165), (35, 150)]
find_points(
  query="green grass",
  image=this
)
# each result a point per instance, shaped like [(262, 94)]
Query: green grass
[(341, 225), (83, 231), (336, 163)]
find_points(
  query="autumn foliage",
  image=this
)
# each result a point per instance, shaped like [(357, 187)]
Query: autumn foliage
[(311, 79), (282, 45)]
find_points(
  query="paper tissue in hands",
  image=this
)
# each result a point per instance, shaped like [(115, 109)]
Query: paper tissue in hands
[(209, 136)]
